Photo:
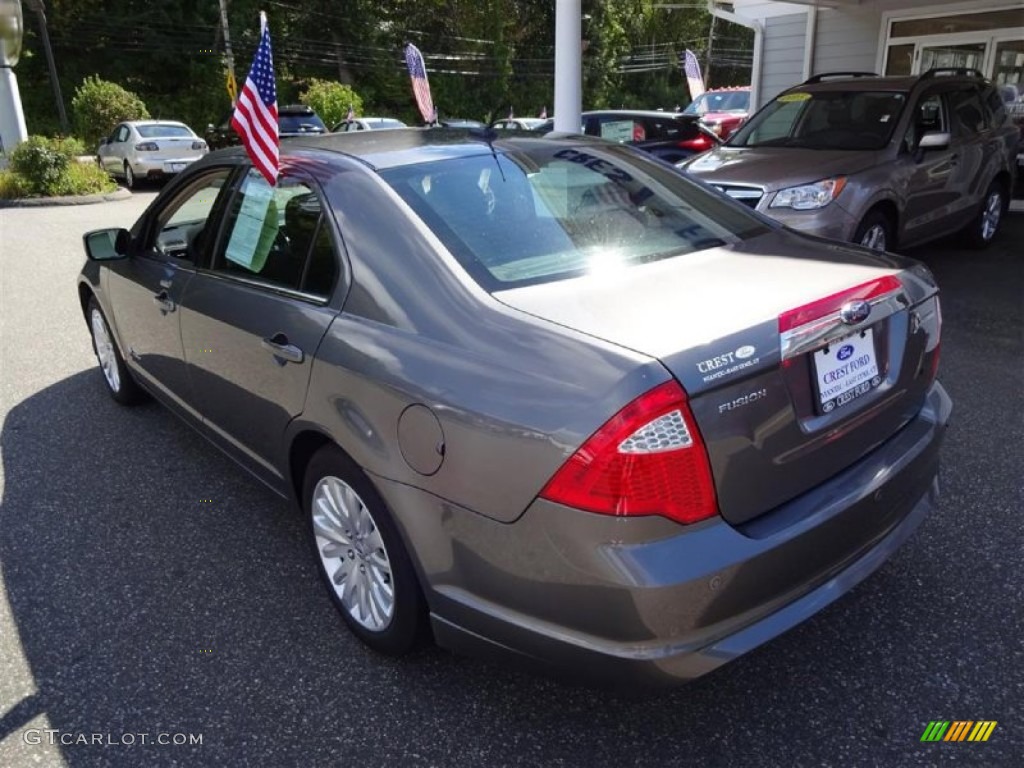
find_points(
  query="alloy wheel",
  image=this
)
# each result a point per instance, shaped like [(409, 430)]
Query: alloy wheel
[(105, 352), (353, 554), (874, 238), (991, 215)]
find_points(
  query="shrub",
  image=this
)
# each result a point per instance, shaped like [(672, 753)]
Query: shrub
[(98, 105), (41, 163), (48, 167), (12, 186), (331, 100)]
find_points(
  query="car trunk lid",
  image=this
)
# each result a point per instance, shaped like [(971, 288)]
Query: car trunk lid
[(784, 392)]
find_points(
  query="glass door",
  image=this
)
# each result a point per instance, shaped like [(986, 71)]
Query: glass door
[(965, 55)]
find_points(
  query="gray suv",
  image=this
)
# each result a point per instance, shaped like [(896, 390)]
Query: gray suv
[(885, 162)]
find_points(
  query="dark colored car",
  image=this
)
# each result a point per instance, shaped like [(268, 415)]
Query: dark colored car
[(886, 162), (673, 137), (292, 120), (546, 398)]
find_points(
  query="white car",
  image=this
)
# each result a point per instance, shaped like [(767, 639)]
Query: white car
[(149, 149), (368, 124), (518, 123)]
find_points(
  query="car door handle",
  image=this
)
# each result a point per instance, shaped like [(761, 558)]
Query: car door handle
[(163, 301), (279, 347)]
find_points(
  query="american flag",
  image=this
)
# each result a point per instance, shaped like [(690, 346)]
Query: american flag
[(255, 117), (420, 86), (691, 68), (351, 114), (544, 114)]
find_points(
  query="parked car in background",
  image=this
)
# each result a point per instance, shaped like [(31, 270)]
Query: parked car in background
[(292, 120), (721, 110), (544, 397), (368, 124), (887, 162), (149, 149), (672, 136), (460, 122), (518, 123)]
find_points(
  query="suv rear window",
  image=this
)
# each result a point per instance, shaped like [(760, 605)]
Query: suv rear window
[(852, 120), (557, 212)]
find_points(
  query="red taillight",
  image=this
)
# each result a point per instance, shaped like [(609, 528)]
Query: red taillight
[(794, 318), (648, 459), (700, 143)]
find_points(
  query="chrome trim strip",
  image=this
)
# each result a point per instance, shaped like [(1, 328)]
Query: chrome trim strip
[(825, 330)]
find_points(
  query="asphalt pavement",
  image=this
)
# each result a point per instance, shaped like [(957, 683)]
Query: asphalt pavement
[(130, 605)]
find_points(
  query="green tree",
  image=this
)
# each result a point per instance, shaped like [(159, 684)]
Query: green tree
[(99, 105), (331, 101)]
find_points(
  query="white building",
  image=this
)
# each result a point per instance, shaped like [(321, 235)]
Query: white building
[(894, 37)]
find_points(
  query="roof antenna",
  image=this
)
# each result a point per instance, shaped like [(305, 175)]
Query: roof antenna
[(488, 134)]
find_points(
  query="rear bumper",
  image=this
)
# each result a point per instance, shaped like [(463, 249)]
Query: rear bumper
[(645, 601), (155, 168)]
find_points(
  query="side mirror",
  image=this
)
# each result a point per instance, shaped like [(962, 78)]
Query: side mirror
[(934, 140), (106, 244)]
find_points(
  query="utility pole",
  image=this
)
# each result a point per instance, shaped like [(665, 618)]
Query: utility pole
[(707, 54), (40, 9), (229, 56)]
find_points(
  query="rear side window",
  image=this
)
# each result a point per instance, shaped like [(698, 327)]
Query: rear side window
[(556, 212), (277, 236)]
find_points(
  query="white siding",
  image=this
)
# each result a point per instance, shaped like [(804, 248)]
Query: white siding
[(783, 54), (847, 40)]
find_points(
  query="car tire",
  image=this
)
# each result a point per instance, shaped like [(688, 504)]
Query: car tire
[(985, 224), (875, 231), (118, 378), (129, 176), (360, 555)]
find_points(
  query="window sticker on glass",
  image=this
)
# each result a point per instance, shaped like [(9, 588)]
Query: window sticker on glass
[(255, 226), (786, 98), (617, 130)]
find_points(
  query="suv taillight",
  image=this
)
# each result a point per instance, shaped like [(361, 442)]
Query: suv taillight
[(648, 459)]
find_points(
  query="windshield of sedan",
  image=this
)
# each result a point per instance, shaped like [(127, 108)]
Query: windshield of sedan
[(852, 120), (558, 212), (719, 101), (164, 131)]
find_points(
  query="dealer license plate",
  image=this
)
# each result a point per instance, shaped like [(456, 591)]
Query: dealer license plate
[(846, 369), (176, 167)]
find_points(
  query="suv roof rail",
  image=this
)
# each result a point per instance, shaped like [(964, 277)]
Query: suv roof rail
[(962, 71), (823, 75)]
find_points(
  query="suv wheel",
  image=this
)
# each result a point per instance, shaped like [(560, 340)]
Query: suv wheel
[(985, 224), (875, 232)]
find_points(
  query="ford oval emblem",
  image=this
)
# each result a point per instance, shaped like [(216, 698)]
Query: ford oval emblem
[(854, 312), (845, 352)]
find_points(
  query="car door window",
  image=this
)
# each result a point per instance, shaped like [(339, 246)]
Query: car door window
[(122, 133), (277, 236), (967, 112), (929, 116), (186, 227)]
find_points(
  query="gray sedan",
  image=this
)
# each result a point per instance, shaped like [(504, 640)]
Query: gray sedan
[(542, 399), (149, 149)]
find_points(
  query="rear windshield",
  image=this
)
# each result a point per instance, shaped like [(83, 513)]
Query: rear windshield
[(557, 212), (164, 131), (727, 101), (854, 120), (301, 124)]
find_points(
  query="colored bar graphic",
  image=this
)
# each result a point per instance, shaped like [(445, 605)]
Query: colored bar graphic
[(935, 730), (959, 730), (982, 730)]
